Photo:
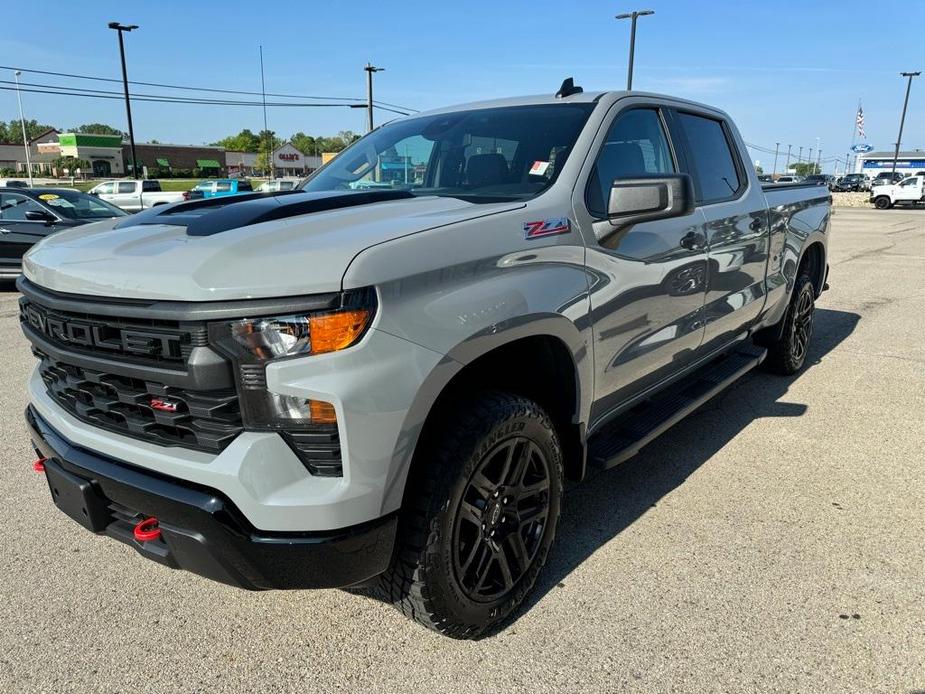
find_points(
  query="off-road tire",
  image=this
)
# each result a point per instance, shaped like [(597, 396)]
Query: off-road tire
[(423, 580), (882, 202), (787, 354)]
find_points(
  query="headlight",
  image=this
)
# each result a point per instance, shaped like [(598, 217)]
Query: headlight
[(264, 339), (252, 343)]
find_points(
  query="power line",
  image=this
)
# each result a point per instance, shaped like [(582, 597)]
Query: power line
[(209, 89), (58, 90)]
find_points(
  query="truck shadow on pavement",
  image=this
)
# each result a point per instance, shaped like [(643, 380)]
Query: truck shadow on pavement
[(606, 503)]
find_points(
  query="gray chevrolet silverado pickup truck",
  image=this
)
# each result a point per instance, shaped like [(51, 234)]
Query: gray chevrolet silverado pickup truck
[(384, 378)]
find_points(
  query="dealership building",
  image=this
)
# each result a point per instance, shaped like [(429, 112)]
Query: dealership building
[(908, 163)]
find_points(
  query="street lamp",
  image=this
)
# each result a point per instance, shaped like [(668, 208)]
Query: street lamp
[(370, 69), (902, 120), (635, 14), (128, 105), (22, 121)]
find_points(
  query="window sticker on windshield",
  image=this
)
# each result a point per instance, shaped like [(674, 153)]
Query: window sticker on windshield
[(539, 168), (59, 202), (48, 196)]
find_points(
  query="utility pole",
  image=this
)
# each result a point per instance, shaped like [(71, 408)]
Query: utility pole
[(787, 168), (819, 161), (22, 121), (809, 158), (128, 104), (902, 120), (266, 128), (776, 148), (370, 69), (633, 16), (800, 155)]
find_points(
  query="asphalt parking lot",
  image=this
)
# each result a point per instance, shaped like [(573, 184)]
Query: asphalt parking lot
[(774, 541)]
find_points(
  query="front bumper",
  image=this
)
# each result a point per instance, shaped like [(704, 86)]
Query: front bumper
[(201, 530)]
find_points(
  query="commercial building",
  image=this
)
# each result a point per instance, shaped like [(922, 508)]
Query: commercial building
[(289, 161), (241, 163), (163, 159), (908, 163), (13, 155)]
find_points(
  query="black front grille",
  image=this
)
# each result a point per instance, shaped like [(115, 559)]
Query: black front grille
[(203, 420), (162, 342)]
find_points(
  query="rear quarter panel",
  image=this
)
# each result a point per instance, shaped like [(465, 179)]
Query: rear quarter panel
[(799, 215)]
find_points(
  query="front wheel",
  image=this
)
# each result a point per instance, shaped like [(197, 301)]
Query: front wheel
[(480, 516), (882, 202), (787, 354)]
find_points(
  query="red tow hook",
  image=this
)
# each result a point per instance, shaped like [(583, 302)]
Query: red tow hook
[(147, 530), (39, 464)]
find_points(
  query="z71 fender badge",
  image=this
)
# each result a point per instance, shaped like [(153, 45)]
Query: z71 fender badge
[(547, 227)]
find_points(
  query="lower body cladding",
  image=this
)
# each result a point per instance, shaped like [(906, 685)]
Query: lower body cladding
[(199, 529)]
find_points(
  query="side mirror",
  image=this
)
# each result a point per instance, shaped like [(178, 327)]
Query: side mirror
[(647, 198), (40, 216), (95, 193)]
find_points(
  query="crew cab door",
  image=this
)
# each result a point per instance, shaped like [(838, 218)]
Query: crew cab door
[(909, 190), (18, 234), (127, 195), (106, 191), (736, 223), (647, 279)]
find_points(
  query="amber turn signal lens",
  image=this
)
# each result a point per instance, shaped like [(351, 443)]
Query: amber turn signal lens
[(333, 331), (322, 412)]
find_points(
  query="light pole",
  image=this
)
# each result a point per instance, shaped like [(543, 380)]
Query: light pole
[(22, 121), (787, 168), (128, 104), (776, 148), (634, 15), (370, 69), (266, 129), (902, 120)]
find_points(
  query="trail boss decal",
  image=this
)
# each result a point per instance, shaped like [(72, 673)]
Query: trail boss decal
[(547, 227)]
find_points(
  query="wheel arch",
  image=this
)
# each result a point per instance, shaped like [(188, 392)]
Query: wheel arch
[(544, 358)]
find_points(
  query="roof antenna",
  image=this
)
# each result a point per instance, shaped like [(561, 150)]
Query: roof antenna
[(568, 88)]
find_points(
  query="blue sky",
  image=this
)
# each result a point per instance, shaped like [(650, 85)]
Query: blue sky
[(787, 71)]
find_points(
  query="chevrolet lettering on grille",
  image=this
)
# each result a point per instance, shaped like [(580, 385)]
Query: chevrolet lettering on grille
[(98, 335)]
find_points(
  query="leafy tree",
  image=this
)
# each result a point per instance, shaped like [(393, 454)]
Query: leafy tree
[(97, 129), (805, 168), (759, 170), (306, 144), (244, 141), (71, 164), (12, 131)]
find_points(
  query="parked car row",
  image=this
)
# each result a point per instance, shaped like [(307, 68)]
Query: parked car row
[(27, 215)]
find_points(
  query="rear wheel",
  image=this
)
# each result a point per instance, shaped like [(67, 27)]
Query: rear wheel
[(882, 202), (787, 354), (479, 517)]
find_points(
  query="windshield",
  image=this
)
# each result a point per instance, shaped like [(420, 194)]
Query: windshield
[(72, 204), (484, 155)]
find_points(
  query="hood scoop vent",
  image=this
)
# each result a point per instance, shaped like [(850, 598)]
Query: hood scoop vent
[(215, 215)]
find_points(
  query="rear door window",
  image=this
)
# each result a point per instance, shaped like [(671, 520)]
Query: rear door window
[(713, 164), (222, 187), (126, 188)]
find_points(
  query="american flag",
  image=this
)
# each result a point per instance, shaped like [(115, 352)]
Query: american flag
[(860, 122)]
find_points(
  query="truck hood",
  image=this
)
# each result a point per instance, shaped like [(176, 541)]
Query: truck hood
[(299, 255)]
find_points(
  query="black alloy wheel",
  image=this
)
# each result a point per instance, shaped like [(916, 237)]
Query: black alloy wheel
[(501, 518)]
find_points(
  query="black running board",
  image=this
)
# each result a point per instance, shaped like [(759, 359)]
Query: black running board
[(624, 438)]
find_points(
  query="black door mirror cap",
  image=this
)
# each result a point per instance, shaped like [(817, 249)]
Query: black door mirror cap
[(40, 216), (650, 197)]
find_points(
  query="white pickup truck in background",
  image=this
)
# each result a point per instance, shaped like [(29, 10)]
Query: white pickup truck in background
[(134, 196), (909, 191)]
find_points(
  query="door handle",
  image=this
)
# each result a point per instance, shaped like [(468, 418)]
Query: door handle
[(756, 225), (693, 241)]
